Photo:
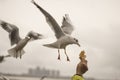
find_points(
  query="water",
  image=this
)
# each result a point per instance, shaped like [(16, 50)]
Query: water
[(31, 78)]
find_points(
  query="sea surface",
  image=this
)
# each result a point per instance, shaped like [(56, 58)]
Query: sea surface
[(31, 78)]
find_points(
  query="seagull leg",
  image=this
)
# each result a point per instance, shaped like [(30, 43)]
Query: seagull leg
[(20, 55), (15, 55), (66, 54), (58, 54)]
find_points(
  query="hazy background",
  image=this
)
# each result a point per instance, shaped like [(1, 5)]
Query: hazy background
[(97, 26)]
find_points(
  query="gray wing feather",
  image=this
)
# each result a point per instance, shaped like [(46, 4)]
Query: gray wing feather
[(12, 30), (51, 21), (5, 26), (67, 26)]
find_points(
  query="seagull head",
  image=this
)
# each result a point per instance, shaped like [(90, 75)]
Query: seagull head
[(67, 18), (35, 35), (75, 41), (2, 23)]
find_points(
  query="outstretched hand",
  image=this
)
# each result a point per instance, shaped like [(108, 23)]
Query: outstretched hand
[(83, 63), (82, 55)]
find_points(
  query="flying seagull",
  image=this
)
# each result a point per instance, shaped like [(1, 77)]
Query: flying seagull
[(13, 31), (18, 51), (63, 33)]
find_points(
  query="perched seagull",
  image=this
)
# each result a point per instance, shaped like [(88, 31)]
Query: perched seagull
[(13, 31), (63, 33)]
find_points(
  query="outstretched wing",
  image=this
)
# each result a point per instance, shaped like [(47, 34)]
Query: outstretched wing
[(12, 30), (67, 26), (51, 21)]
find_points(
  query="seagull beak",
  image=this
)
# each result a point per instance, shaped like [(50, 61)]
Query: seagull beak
[(78, 44), (41, 37)]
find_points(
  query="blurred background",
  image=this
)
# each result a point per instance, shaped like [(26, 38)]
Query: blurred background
[(97, 27)]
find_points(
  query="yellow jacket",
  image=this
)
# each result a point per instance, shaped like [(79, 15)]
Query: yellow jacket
[(77, 77)]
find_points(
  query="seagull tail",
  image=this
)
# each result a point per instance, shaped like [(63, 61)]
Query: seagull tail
[(49, 45), (14, 53), (46, 45)]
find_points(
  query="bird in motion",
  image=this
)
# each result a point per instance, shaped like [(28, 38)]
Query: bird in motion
[(14, 37), (63, 33)]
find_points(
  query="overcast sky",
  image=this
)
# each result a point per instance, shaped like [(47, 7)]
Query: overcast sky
[(97, 27)]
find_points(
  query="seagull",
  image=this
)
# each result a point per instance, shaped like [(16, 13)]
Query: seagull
[(63, 33), (18, 49), (15, 38)]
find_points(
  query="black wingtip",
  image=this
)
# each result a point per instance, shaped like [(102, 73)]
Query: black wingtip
[(32, 1), (3, 24), (1, 59)]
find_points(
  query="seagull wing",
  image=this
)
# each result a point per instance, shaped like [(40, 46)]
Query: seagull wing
[(12, 30), (67, 26), (5, 26), (51, 21)]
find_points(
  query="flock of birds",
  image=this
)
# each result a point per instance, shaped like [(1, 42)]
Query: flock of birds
[(62, 33)]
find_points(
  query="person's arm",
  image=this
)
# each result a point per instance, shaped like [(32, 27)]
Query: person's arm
[(84, 67), (83, 63)]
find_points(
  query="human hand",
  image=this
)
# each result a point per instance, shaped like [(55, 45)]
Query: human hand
[(82, 55)]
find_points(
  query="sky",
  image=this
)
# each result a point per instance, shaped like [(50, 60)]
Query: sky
[(97, 27)]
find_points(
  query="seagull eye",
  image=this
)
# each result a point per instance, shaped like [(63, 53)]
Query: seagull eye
[(76, 40)]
